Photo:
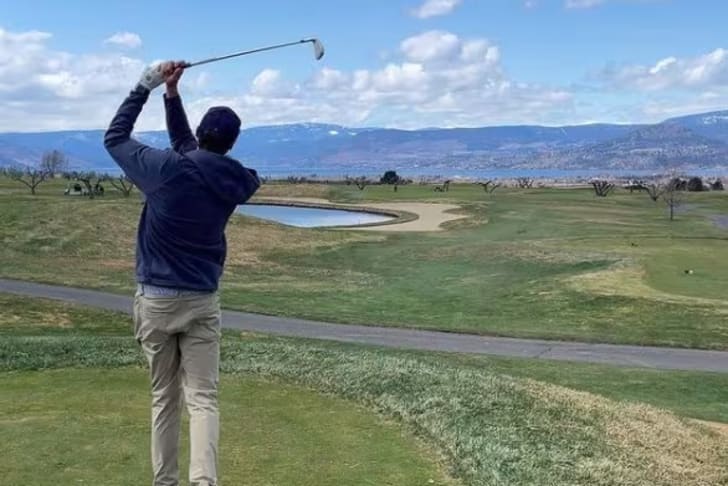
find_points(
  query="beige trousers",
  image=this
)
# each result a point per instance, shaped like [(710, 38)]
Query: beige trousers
[(180, 337)]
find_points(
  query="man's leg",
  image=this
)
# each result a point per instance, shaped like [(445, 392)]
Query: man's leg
[(200, 355), (161, 349)]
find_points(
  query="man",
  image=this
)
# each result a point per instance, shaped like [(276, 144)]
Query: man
[(191, 191)]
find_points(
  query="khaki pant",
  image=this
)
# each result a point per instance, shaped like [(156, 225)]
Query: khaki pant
[(180, 337)]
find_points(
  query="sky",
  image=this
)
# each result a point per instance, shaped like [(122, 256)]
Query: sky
[(391, 63)]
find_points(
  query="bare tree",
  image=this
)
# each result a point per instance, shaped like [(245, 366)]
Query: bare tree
[(655, 190), (122, 184), (50, 164), (602, 188), (53, 162), (672, 194), (490, 186), (92, 181), (361, 182), (524, 182)]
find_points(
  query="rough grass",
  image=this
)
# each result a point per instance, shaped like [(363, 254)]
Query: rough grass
[(548, 263), (489, 428)]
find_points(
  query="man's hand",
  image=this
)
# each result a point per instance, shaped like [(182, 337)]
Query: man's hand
[(152, 76), (172, 73)]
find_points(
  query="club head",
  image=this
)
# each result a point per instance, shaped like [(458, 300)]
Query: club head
[(318, 49)]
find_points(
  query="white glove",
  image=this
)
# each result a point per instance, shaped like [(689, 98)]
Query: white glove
[(152, 76)]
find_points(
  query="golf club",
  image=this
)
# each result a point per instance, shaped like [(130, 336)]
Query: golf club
[(318, 49)]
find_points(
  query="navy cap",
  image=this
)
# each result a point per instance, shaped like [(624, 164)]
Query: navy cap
[(220, 123)]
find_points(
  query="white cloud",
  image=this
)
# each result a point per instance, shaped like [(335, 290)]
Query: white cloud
[(436, 78), (431, 46), (439, 79), (128, 40), (703, 71), (586, 4), (435, 8), (583, 3), (45, 89)]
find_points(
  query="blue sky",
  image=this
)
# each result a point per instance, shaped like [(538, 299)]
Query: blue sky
[(403, 63)]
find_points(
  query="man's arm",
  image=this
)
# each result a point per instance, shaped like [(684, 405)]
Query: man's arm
[(145, 166), (180, 134)]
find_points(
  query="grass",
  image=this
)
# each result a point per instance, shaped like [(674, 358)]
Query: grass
[(547, 263), (272, 434), (489, 421)]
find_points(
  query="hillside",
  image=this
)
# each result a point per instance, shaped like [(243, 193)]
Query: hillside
[(696, 141)]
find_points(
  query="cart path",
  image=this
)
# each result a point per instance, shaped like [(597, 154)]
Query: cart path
[(611, 354)]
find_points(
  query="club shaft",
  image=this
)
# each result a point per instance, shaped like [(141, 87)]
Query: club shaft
[(243, 53)]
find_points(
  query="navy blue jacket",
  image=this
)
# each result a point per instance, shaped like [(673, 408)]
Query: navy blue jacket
[(190, 195)]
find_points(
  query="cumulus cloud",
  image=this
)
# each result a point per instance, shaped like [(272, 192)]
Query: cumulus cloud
[(702, 71), (434, 78), (438, 78), (127, 40), (435, 8), (42, 89)]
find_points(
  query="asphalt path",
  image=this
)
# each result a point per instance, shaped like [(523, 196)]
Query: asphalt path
[(610, 354)]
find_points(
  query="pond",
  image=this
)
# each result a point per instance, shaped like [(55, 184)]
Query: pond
[(303, 217)]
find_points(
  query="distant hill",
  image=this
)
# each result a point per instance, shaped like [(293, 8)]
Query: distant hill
[(685, 142), (711, 125)]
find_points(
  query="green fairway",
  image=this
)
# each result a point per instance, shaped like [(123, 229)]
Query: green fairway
[(548, 263), (488, 427)]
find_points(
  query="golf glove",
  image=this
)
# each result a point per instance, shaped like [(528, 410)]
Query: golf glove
[(152, 76)]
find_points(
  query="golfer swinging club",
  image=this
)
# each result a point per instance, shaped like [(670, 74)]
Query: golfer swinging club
[(191, 191)]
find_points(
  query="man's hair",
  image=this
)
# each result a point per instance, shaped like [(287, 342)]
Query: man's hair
[(218, 130), (213, 143)]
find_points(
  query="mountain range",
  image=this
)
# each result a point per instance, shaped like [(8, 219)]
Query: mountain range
[(694, 141)]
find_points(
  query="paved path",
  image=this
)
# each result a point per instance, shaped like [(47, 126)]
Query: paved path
[(636, 356)]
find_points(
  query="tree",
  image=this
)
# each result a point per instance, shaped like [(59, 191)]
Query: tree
[(695, 184), (524, 182), (654, 190), (490, 186), (361, 182), (50, 164), (672, 195), (390, 177), (122, 184), (679, 183), (92, 181), (716, 185), (602, 188), (53, 162)]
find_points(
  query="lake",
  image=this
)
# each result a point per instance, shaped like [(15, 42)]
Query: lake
[(310, 217)]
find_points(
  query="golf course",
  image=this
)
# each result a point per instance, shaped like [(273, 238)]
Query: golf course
[(541, 263)]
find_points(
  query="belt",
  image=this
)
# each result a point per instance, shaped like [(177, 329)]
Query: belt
[(157, 291)]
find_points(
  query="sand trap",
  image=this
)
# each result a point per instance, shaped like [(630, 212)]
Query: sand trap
[(430, 215)]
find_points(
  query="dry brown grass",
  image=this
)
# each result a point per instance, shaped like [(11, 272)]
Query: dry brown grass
[(33, 318), (646, 446), (249, 240), (628, 280), (293, 190)]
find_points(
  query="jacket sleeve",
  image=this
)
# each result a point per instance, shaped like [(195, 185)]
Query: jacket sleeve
[(147, 167), (180, 134)]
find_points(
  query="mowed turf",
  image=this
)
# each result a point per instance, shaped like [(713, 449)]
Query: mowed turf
[(84, 416), (547, 263), (86, 426)]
